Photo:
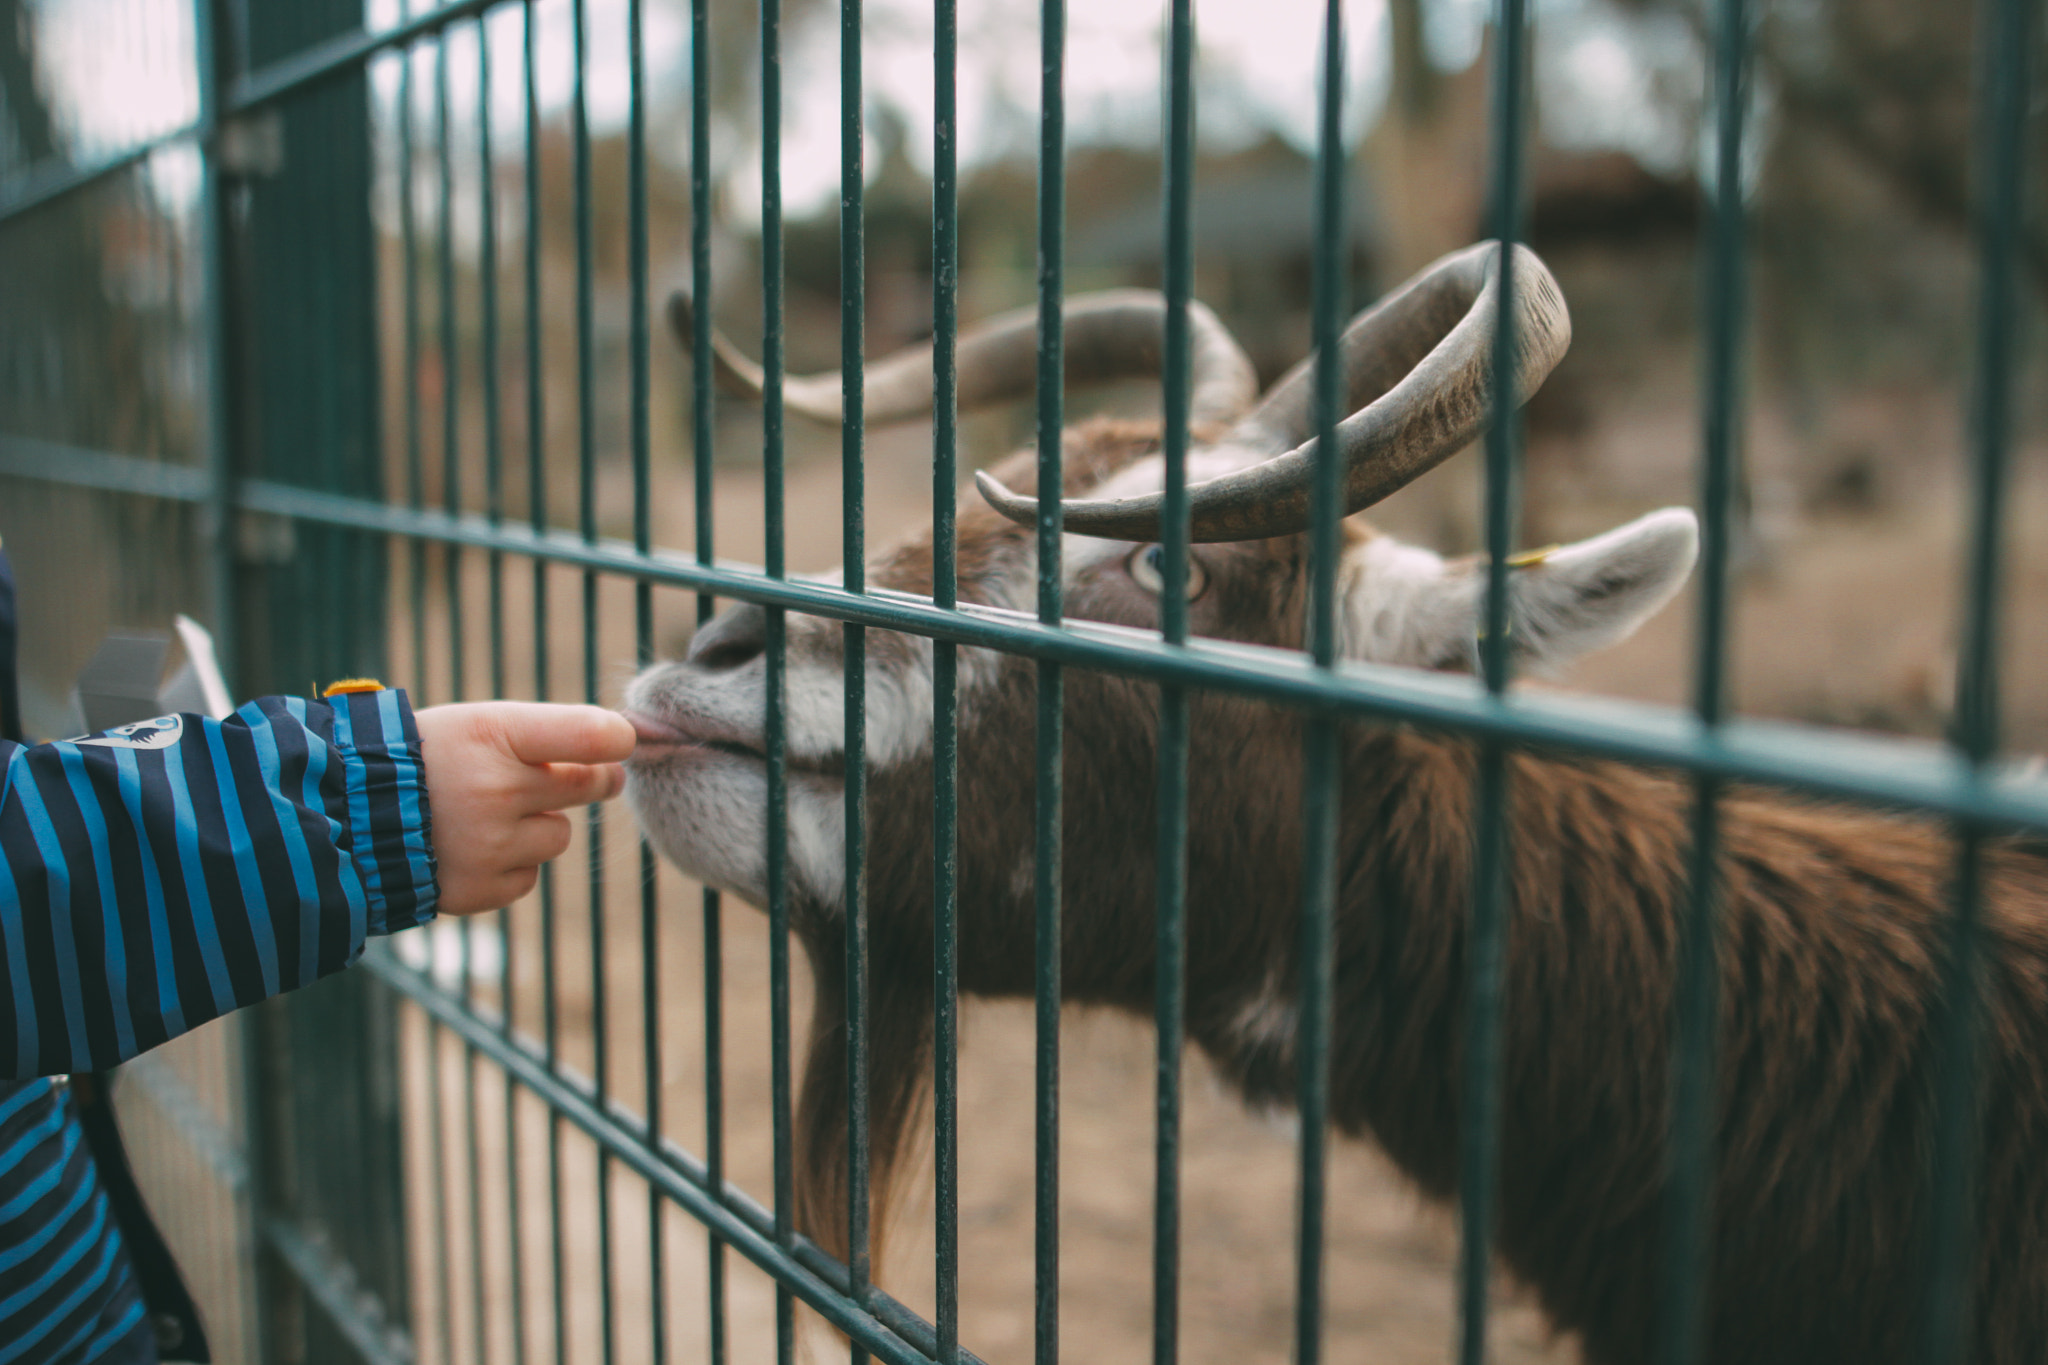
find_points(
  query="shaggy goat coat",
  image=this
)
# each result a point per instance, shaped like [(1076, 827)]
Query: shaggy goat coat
[(1831, 940)]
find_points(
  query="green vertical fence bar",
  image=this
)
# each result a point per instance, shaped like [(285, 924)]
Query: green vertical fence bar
[(436, 1181), (494, 512), (1688, 1240), (1171, 857), (537, 521), (776, 660), (415, 417), (537, 516), (452, 588), (586, 511), (853, 509), (1480, 1085), (451, 477), (2006, 48), (489, 361), (945, 681), (1316, 951), (1052, 136), (409, 266), (451, 371), (703, 431), (643, 637)]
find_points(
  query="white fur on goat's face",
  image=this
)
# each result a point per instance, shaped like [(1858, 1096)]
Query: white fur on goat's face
[(1412, 607), (703, 798), (701, 793)]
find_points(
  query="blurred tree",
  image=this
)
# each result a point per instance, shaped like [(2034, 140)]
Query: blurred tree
[(28, 136), (1427, 153), (1890, 83), (96, 346), (84, 293)]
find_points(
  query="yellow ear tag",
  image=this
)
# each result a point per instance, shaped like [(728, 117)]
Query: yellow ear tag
[(349, 685), (1529, 559)]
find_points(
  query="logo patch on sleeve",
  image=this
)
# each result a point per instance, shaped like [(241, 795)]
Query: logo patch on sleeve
[(160, 733)]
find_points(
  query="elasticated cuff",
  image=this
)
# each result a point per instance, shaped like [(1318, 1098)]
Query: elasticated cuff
[(390, 822)]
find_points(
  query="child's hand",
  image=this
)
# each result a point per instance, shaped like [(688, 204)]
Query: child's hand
[(498, 773)]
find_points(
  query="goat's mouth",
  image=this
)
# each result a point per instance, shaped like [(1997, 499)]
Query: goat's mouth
[(663, 742)]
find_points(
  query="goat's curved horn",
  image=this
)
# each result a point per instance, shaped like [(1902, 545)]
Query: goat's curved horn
[(1417, 374), (1115, 334)]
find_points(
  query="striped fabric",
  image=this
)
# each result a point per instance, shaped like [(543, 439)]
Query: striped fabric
[(66, 1292), (149, 884), (151, 879)]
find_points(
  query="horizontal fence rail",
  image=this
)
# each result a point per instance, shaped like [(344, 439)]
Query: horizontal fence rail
[(1902, 773), (530, 1070)]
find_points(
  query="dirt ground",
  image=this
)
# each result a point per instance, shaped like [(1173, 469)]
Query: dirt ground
[(1390, 1258)]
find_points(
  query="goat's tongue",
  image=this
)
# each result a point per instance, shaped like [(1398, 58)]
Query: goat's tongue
[(652, 731)]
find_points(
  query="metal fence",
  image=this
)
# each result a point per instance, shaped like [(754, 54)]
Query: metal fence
[(302, 479)]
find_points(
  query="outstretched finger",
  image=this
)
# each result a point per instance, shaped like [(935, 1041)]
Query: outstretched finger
[(539, 732)]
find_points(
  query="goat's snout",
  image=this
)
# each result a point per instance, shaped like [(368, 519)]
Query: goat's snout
[(732, 639)]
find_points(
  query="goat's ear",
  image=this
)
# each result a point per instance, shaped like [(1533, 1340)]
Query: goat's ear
[(1595, 593), (1410, 606)]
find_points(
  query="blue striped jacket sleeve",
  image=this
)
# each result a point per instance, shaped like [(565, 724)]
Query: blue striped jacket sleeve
[(162, 874)]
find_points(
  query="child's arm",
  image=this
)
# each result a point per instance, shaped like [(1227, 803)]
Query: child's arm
[(160, 875)]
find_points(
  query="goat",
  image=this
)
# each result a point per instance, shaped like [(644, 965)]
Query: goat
[(1831, 936)]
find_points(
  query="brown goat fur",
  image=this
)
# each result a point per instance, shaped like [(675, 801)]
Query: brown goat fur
[(1831, 933)]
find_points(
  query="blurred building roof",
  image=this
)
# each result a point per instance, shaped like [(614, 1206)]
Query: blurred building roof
[(1259, 202)]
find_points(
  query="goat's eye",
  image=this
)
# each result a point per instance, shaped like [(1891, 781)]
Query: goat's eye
[(1147, 566)]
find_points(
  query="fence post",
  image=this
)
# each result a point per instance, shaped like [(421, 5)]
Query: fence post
[(300, 404)]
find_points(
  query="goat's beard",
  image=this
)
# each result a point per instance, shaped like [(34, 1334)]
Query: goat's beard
[(897, 1040), (704, 811)]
